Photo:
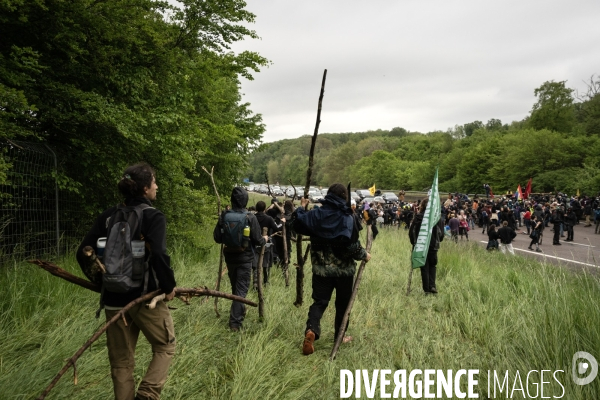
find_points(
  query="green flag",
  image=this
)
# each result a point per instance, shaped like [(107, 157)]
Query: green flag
[(430, 219)]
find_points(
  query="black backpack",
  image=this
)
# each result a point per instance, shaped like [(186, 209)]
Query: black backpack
[(232, 229), (124, 272)]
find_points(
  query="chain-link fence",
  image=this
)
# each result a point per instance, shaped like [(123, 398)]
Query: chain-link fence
[(36, 218)]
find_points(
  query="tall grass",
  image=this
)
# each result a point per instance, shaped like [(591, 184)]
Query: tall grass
[(493, 312)]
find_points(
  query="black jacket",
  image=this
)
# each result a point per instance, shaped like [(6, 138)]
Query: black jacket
[(506, 234), (239, 200), (155, 234)]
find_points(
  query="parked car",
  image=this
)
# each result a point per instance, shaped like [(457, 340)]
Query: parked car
[(314, 195), (390, 197), (378, 199), (368, 200), (363, 193), (355, 197), (276, 191), (324, 192)]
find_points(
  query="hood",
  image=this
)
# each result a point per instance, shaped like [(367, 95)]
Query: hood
[(334, 219), (239, 198)]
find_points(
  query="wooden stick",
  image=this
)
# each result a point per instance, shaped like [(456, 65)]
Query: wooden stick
[(219, 275), (295, 192), (361, 269), (121, 314), (410, 274), (259, 278), (61, 273), (286, 260), (300, 268), (268, 186)]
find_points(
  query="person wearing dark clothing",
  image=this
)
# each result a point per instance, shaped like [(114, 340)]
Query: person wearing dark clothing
[(239, 263), (372, 219), (454, 225), (537, 225), (557, 219), (335, 248), (570, 221), (492, 238), (506, 235), (428, 271), (265, 221), (138, 186), (275, 211)]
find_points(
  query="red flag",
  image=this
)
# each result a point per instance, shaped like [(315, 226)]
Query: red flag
[(527, 189), (491, 193)]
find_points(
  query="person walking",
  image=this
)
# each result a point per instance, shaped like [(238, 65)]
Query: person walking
[(265, 221), (557, 219), (537, 226), (238, 256), (428, 271), (138, 187), (335, 248), (506, 235), (454, 225)]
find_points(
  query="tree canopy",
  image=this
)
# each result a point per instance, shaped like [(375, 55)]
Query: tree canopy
[(108, 83), (556, 145)]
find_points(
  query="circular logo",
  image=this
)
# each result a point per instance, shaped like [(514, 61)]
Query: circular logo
[(580, 367)]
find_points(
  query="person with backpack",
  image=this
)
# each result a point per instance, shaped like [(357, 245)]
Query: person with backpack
[(136, 263), (265, 221), (335, 248), (240, 233)]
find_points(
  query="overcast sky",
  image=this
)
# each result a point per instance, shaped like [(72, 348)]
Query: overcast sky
[(419, 64)]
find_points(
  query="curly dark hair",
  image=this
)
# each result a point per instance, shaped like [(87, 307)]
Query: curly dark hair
[(135, 179)]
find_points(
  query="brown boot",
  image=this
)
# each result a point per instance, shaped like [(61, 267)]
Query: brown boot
[(309, 340)]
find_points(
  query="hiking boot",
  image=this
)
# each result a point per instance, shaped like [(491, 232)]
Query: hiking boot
[(308, 345), (530, 248), (538, 250), (433, 290)]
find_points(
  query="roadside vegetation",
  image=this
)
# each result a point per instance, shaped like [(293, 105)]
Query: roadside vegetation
[(492, 313)]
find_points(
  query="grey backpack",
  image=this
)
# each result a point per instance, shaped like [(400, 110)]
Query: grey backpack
[(126, 270)]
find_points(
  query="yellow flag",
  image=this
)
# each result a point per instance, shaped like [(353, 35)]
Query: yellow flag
[(372, 190), (577, 192)]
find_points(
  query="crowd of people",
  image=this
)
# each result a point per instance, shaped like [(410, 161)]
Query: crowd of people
[(131, 238)]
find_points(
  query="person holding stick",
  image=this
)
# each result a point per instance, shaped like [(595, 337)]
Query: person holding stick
[(335, 248), (138, 186), (239, 230)]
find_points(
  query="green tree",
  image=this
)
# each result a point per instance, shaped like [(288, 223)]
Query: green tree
[(554, 108), (110, 83)]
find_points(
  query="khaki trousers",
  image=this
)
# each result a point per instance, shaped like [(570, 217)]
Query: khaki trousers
[(157, 327)]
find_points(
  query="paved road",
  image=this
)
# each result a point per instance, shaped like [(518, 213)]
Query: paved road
[(582, 253)]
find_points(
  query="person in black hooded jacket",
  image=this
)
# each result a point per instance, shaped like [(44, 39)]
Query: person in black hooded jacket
[(239, 263), (428, 271)]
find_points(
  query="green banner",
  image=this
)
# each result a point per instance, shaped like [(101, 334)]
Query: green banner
[(430, 219)]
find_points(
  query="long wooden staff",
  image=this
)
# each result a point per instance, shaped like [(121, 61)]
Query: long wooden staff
[(259, 278), (183, 293), (218, 285), (361, 269), (300, 268), (286, 259)]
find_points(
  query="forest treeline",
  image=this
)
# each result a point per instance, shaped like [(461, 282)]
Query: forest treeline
[(109, 83), (557, 144)]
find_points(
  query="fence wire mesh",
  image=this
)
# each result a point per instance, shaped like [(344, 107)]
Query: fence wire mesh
[(36, 218)]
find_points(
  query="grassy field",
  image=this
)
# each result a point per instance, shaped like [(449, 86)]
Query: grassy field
[(492, 313)]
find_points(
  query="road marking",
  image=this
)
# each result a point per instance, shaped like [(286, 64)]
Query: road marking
[(555, 257)]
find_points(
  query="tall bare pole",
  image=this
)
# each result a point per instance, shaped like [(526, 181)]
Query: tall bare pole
[(218, 285), (342, 331), (300, 268)]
